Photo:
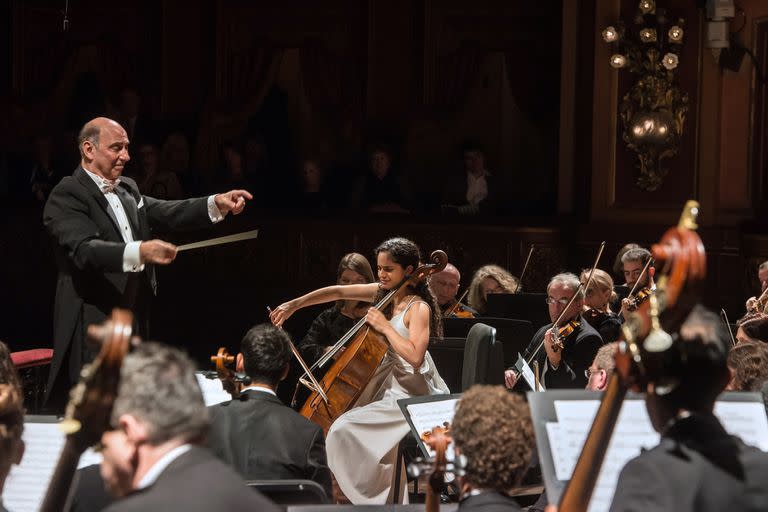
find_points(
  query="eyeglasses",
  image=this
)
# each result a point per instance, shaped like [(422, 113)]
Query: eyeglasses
[(562, 302), (589, 373)]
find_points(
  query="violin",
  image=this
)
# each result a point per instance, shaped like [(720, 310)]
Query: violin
[(458, 310), (233, 382), (89, 409), (438, 439), (646, 352), (638, 298), (563, 332)]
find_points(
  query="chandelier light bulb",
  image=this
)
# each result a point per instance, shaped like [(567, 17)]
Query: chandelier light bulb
[(618, 61), (670, 61), (610, 35), (647, 6), (648, 35), (675, 34)]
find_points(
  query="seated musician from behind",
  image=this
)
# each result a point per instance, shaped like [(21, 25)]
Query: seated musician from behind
[(490, 279), (151, 458), (633, 262), (334, 322), (602, 368), (256, 434), (697, 465), (11, 428), (492, 428), (445, 286), (597, 309), (562, 368), (362, 443), (762, 276), (748, 364), (753, 328)]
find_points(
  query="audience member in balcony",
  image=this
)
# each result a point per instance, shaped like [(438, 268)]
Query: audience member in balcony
[(175, 158), (312, 193), (753, 328), (381, 189), (234, 175), (46, 171), (334, 322), (259, 436), (152, 179), (487, 280), (474, 191), (492, 428), (748, 364)]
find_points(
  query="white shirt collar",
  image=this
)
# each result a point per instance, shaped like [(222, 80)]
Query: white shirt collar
[(256, 387), (104, 184), (157, 469)]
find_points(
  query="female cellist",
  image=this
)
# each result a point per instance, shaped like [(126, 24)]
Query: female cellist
[(597, 310), (362, 443)]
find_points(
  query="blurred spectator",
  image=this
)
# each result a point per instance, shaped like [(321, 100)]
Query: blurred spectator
[(153, 180), (174, 158), (474, 192), (381, 190), (312, 192), (45, 172)]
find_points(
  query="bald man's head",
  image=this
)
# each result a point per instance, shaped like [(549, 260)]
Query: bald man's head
[(445, 284), (103, 145)]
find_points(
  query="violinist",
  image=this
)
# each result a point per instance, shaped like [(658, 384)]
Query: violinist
[(490, 279), (562, 368), (334, 322), (256, 434), (638, 281), (492, 428), (753, 303), (445, 286), (597, 309), (753, 328), (697, 465), (362, 443)]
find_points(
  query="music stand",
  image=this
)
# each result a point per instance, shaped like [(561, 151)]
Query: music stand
[(514, 335), (523, 306)]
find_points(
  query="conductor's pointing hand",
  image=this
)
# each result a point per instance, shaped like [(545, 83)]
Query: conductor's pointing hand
[(157, 252), (232, 201)]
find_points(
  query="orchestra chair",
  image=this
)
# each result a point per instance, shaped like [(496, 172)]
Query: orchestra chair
[(29, 364), (514, 334), (413, 507), (483, 358), (291, 492)]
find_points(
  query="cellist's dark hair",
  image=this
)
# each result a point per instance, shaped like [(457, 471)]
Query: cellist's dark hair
[(406, 253)]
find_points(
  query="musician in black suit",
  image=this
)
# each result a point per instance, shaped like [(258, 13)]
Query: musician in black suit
[(697, 464), (101, 228), (151, 458), (563, 368), (492, 429), (257, 434)]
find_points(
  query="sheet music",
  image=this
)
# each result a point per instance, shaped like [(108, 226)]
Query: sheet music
[(427, 415), (746, 420), (527, 373), (213, 390), (633, 432)]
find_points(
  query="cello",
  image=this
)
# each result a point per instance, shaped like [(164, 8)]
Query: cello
[(644, 355), (90, 406), (353, 368)]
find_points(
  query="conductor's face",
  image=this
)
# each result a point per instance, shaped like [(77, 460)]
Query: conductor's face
[(108, 157)]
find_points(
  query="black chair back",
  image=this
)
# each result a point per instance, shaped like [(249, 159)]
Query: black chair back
[(291, 492), (514, 335), (522, 306), (448, 355), (483, 358)]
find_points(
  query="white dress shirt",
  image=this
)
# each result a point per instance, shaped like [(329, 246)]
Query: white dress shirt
[(131, 254), (259, 388), (156, 470), (477, 188)]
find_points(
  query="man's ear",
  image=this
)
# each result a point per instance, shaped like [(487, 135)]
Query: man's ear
[(135, 430), (285, 371), (651, 271), (87, 149), (603, 379), (240, 363)]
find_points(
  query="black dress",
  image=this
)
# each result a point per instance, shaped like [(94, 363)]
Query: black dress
[(326, 329)]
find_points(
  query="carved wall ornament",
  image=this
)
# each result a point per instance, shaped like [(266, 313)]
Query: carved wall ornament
[(654, 109)]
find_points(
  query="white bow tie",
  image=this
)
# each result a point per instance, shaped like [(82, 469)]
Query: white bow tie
[(108, 186)]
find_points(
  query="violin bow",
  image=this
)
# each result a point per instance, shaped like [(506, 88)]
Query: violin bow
[(312, 384), (724, 316), (453, 308), (645, 269), (525, 267)]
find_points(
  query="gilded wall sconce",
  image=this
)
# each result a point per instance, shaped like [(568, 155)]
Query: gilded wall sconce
[(653, 111)]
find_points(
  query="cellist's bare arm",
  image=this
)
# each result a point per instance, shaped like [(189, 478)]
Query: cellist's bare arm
[(362, 292), (413, 348)]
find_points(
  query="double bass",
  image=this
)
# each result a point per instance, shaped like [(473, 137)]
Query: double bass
[(647, 352), (353, 368)]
